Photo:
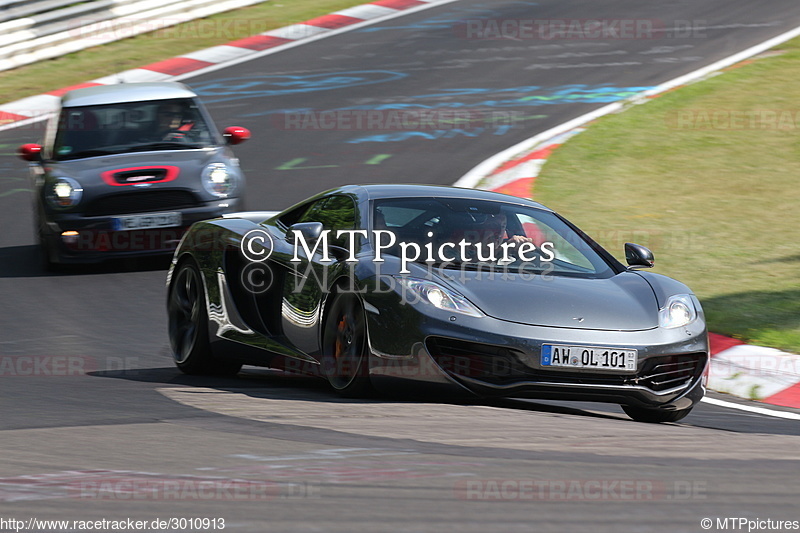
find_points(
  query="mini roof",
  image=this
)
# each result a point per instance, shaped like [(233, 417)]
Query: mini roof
[(125, 92)]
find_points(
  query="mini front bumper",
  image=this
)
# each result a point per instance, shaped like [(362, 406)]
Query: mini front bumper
[(97, 240)]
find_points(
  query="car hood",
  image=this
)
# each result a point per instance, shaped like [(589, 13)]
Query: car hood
[(189, 162), (623, 302)]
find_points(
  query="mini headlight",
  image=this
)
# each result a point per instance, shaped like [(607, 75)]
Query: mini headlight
[(64, 192), (679, 311), (218, 180), (437, 296)]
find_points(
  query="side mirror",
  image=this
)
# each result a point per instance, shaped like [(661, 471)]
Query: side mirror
[(235, 134), (638, 256), (309, 230), (30, 152)]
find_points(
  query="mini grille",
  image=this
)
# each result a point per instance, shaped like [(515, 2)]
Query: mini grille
[(140, 202)]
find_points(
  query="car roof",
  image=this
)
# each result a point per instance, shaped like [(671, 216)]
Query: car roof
[(125, 92), (385, 191)]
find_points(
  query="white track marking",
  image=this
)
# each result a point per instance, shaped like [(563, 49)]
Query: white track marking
[(752, 409)]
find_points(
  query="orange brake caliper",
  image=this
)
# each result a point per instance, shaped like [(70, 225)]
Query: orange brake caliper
[(340, 328)]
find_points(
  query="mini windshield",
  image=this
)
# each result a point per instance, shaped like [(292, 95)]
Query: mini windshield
[(90, 131), (464, 233)]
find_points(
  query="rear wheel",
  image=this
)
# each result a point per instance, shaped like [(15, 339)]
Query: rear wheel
[(344, 346), (654, 416), (188, 325)]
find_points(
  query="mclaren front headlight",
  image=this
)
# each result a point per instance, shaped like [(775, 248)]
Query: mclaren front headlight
[(219, 180), (64, 193), (429, 292), (678, 312)]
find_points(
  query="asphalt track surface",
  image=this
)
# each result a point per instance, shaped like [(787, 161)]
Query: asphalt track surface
[(105, 402)]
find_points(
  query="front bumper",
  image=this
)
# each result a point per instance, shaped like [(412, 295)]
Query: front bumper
[(97, 240), (492, 357)]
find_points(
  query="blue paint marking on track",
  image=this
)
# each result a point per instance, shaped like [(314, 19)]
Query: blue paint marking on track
[(244, 87), (566, 94), (430, 135)]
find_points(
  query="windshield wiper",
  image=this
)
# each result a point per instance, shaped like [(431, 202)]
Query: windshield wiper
[(163, 145), (87, 153)]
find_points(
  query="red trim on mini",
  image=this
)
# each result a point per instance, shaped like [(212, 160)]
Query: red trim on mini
[(29, 151), (108, 175)]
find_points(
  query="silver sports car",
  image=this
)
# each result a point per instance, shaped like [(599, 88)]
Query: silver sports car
[(455, 290)]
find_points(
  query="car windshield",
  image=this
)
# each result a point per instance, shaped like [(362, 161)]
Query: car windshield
[(472, 234), (90, 131)]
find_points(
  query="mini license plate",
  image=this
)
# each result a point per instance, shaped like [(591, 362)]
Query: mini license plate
[(147, 221), (594, 357)]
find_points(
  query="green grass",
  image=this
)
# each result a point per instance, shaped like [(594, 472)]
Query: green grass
[(719, 206), (134, 52)]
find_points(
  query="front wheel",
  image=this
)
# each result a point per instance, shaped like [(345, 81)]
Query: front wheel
[(654, 416), (345, 357), (46, 253), (188, 326)]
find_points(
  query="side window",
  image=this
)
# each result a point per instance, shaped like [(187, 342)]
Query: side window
[(315, 213), (335, 213), (293, 216)]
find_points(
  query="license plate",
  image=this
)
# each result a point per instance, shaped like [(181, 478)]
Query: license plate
[(594, 357), (147, 221)]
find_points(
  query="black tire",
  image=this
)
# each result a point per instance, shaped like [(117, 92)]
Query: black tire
[(345, 357), (188, 326), (654, 416), (45, 252)]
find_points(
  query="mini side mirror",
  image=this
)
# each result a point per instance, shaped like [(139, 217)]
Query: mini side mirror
[(638, 256), (30, 152), (235, 135)]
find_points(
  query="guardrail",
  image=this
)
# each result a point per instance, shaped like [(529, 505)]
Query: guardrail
[(34, 30)]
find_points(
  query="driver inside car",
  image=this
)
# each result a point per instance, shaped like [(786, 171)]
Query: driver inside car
[(485, 233), (172, 125)]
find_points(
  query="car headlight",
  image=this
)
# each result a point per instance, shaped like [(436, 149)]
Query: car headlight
[(64, 192), (219, 180), (438, 296), (679, 311)]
